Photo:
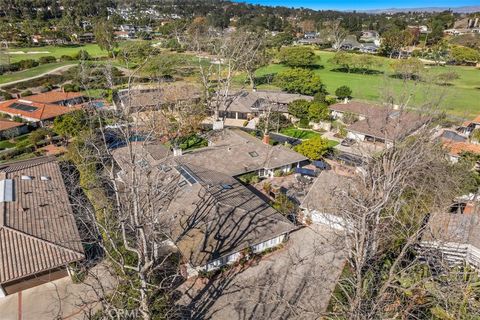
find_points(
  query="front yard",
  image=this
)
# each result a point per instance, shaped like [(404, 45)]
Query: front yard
[(300, 133)]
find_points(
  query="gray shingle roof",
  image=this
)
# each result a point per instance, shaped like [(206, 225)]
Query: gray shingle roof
[(212, 221), (236, 152)]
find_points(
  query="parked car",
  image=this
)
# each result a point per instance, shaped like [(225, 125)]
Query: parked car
[(347, 142)]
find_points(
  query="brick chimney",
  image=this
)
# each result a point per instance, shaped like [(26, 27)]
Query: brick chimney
[(266, 138)]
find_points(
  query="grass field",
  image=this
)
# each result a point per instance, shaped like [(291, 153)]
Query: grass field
[(9, 77), (56, 51), (299, 133), (462, 98)]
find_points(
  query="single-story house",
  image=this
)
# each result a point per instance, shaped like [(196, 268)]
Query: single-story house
[(457, 148), (246, 105), (212, 219), (154, 98), (376, 123), (39, 238), (469, 126), (235, 152), (43, 107), (360, 109), (10, 129), (454, 235)]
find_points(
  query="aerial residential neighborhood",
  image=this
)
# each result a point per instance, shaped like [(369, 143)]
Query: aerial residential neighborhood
[(239, 160)]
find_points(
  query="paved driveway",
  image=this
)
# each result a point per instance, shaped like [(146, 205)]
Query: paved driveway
[(293, 283), (59, 299)]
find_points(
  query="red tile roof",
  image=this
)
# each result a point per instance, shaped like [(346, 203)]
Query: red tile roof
[(457, 147), (42, 111), (53, 96), (6, 124)]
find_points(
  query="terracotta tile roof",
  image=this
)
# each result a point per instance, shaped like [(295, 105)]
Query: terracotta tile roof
[(476, 120), (38, 231), (34, 110), (5, 124), (456, 148), (53, 96)]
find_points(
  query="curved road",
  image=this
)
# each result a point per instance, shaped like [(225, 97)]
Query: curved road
[(59, 69)]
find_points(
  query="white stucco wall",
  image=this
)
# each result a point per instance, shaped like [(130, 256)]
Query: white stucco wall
[(356, 136), (235, 257)]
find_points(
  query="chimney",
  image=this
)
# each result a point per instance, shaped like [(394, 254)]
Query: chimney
[(266, 138), (177, 152)]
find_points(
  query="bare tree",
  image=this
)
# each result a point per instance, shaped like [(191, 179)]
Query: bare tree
[(336, 33)]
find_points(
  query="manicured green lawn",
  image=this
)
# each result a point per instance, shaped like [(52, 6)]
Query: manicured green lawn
[(32, 72), (299, 133), (332, 143), (5, 144), (56, 51), (462, 99)]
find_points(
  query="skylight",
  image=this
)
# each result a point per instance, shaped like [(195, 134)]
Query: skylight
[(187, 174), (6, 190), (23, 107), (253, 154)]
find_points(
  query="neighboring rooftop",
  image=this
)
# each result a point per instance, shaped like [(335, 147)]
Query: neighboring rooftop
[(235, 152), (323, 194), (43, 106), (462, 226), (6, 125), (456, 148), (56, 97), (356, 107), (37, 226), (154, 97), (388, 124), (246, 101)]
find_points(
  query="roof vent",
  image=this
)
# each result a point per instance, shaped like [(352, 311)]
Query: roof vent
[(6, 190), (27, 178), (226, 186)]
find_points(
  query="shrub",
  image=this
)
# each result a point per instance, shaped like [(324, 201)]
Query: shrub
[(27, 64), (297, 56), (5, 95), (47, 59), (304, 123), (301, 81), (26, 93), (71, 87), (66, 58), (278, 173), (299, 108), (343, 92), (314, 148), (82, 55)]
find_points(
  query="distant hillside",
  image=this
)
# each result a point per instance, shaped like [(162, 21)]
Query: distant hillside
[(467, 9)]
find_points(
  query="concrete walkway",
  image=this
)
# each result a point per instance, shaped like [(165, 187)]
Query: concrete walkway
[(59, 299)]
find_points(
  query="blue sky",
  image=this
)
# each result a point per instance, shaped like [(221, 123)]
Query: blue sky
[(364, 4)]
